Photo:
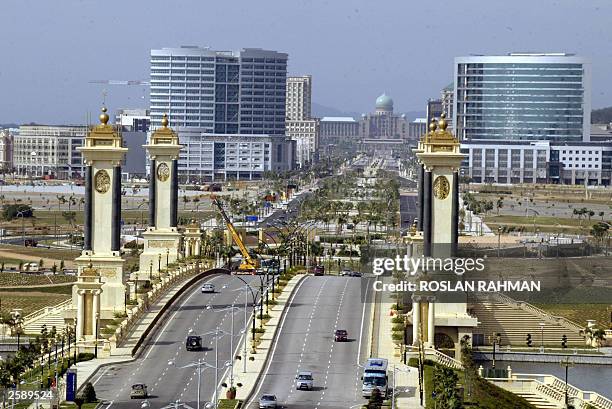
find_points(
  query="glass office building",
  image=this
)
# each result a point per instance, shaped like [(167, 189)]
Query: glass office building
[(527, 97), (220, 92)]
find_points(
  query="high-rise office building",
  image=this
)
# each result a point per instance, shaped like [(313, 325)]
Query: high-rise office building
[(300, 126), (512, 113), (299, 98), (522, 97), (208, 94)]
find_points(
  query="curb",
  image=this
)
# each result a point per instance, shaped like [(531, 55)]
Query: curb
[(249, 396)]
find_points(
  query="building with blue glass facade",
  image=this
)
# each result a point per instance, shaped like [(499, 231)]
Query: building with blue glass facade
[(208, 94), (519, 96)]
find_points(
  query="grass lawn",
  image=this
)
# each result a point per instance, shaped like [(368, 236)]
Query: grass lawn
[(229, 404), (20, 279), (56, 254), (581, 312), (30, 301), (545, 224)]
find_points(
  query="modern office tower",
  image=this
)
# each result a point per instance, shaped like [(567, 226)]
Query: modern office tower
[(434, 109), (300, 126), (447, 96), (212, 96), (223, 92), (512, 112), (299, 98), (49, 151), (523, 97)]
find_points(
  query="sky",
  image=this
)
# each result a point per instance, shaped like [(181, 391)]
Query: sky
[(354, 49)]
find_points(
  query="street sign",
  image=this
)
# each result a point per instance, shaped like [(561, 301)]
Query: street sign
[(71, 385), (251, 218)]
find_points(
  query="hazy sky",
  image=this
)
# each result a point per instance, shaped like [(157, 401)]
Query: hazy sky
[(354, 49)]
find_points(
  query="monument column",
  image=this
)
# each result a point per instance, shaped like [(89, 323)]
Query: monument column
[(100, 266), (416, 322), (162, 236), (431, 322)]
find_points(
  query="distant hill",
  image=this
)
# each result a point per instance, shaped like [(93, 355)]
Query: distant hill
[(319, 111), (601, 116)]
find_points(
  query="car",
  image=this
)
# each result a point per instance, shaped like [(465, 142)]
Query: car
[(139, 391), (267, 401), (304, 380), (208, 288), (355, 273), (193, 343), (340, 335), (318, 270), (345, 272)]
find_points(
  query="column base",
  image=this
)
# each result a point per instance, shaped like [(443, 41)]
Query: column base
[(160, 246)]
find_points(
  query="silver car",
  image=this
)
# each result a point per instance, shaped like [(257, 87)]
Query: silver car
[(304, 380), (208, 288), (267, 401)]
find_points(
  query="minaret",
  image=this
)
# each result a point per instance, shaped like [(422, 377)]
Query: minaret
[(99, 291), (162, 239)]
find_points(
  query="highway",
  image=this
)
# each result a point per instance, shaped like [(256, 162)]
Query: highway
[(159, 364), (305, 342)]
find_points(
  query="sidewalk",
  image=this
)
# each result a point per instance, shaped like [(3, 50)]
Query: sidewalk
[(254, 368), (406, 378)]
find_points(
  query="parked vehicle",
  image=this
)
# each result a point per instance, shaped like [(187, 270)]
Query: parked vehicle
[(317, 270), (304, 380), (345, 272)]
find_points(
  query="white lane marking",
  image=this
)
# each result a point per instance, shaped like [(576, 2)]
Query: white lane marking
[(172, 318), (365, 301), (279, 331)]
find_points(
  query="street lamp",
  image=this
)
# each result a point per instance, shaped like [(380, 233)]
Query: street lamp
[(244, 331), (567, 364), (542, 337), (20, 214), (167, 257), (499, 232), (159, 265), (97, 329)]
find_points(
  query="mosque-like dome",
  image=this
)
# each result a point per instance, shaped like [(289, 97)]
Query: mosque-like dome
[(384, 102)]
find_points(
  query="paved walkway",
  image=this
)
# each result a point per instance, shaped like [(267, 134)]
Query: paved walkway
[(406, 378), (254, 368)]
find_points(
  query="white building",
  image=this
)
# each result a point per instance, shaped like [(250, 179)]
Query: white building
[(49, 151), (209, 157), (133, 119), (300, 126)]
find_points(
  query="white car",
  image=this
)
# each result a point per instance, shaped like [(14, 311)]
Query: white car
[(208, 288)]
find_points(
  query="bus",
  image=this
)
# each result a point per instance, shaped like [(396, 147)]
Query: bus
[(375, 377)]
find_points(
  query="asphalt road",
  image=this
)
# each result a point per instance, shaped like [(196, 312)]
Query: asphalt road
[(159, 365), (305, 343)]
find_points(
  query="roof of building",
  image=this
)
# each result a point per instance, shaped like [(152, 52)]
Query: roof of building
[(384, 102), (338, 119)]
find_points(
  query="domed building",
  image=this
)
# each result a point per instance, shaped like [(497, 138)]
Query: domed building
[(383, 125)]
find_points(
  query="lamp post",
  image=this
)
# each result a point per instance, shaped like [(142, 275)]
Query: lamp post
[(159, 265), (167, 257), (20, 214), (199, 364), (244, 331), (151, 270), (96, 340), (567, 364), (542, 337), (499, 232)]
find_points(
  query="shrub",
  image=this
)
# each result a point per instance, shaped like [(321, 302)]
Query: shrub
[(89, 393), (397, 320), (9, 211), (397, 336), (85, 356), (398, 327)]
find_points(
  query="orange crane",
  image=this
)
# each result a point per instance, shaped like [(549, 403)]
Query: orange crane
[(249, 264)]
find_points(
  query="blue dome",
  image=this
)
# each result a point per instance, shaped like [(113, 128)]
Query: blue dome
[(384, 102)]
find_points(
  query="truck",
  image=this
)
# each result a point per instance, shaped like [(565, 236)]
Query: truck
[(375, 377)]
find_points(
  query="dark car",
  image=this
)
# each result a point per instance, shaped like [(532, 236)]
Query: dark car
[(318, 270), (340, 335), (356, 274), (193, 343)]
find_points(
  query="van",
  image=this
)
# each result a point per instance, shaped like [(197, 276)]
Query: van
[(375, 377)]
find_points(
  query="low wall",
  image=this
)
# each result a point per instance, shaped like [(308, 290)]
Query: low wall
[(543, 357)]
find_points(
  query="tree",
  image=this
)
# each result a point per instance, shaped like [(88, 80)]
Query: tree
[(11, 211), (445, 387), (500, 203), (70, 217)]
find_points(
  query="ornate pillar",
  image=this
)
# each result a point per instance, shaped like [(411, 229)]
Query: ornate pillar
[(162, 236), (80, 318), (431, 322), (416, 322)]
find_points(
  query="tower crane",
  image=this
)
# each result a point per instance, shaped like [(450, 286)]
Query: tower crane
[(249, 264)]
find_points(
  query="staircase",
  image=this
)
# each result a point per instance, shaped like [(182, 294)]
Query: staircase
[(49, 316), (515, 319), (547, 392)]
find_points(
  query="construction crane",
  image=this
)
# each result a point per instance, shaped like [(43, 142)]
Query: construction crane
[(249, 264)]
